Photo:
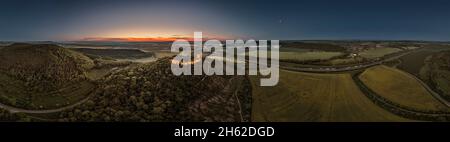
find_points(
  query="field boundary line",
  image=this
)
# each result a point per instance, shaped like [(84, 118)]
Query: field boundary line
[(396, 108)]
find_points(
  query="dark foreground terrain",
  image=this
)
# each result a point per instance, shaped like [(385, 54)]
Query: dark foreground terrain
[(126, 92)]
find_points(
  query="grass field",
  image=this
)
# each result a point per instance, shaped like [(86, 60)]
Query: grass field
[(96, 74), (288, 49), (400, 88), (414, 62), (115, 53), (344, 61), (378, 52), (303, 56), (162, 54), (314, 97)]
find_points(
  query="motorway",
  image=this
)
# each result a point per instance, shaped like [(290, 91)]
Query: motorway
[(328, 69)]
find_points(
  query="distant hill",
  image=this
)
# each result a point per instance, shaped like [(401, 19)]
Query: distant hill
[(114, 53), (150, 92), (43, 67), (130, 45)]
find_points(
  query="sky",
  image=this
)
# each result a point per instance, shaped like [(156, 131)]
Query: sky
[(141, 20)]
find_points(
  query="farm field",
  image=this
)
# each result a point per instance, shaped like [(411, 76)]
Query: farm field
[(312, 46), (314, 97), (344, 61), (305, 56), (302, 56), (114, 53), (162, 54), (96, 74), (413, 62), (400, 88), (290, 49), (378, 52)]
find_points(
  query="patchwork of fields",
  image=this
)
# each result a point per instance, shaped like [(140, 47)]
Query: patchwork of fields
[(305, 56), (315, 97), (378, 52), (372, 93), (301, 55), (400, 88), (301, 96)]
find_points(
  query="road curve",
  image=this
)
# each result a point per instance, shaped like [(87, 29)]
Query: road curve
[(13, 109)]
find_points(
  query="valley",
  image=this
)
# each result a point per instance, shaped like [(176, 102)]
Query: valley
[(320, 81)]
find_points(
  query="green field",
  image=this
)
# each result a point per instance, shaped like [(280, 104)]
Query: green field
[(314, 97), (413, 63), (289, 49), (302, 56), (344, 61), (162, 54), (400, 88), (378, 52), (114, 53), (305, 56), (96, 74)]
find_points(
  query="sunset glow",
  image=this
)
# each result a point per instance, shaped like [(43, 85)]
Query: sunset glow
[(160, 38), (139, 39)]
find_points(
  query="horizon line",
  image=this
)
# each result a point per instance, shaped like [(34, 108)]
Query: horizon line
[(205, 39)]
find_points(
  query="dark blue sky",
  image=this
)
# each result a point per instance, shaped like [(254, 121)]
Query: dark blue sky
[(24, 20)]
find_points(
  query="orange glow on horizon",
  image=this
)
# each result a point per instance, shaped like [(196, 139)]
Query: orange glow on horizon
[(138, 39), (159, 38)]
